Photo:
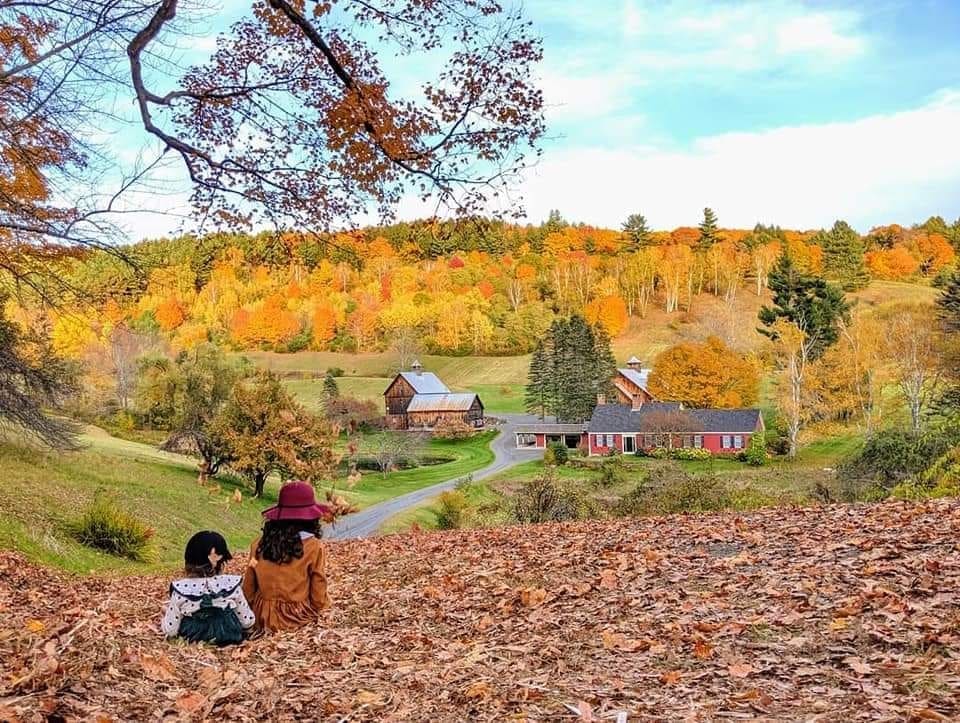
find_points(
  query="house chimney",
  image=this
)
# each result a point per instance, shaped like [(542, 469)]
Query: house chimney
[(601, 399), (417, 367), (634, 363), (636, 402)]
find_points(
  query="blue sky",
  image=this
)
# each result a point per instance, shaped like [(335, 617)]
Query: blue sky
[(780, 111)]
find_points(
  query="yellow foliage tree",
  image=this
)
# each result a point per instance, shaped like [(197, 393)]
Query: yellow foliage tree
[(707, 375), (610, 312)]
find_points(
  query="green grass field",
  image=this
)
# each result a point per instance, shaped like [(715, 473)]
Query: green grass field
[(45, 491), (468, 455)]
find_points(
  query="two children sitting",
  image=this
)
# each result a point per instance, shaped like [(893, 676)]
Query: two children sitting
[(283, 587)]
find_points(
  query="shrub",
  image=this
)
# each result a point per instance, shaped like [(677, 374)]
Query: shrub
[(941, 479), (559, 453), (104, 526), (690, 453), (452, 505), (545, 499), (654, 453), (335, 372), (756, 453), (672, 491), (611, 471), (448, 428), (890, 457)]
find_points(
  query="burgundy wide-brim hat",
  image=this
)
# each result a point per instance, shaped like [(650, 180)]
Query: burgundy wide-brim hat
[(296, 501)]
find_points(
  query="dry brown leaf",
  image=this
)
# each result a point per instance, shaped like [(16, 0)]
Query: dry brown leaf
[(533, 597), (480, 689), (740, 670), (609, 579), (702, 649), (190, 702), (157, 667), (671, 677)]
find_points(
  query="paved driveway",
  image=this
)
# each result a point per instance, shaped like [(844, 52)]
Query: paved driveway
[(366, 522)]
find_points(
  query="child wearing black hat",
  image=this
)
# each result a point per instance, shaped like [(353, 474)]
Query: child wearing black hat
[(207, 605)]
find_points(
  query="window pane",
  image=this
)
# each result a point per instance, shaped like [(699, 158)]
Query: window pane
[(738, 441)]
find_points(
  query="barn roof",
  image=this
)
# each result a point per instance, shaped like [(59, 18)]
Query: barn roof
[(425, 383), (637, 376), (611, 418), (441, 402)]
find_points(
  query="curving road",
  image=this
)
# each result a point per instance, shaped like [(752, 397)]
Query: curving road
[(505, 454)]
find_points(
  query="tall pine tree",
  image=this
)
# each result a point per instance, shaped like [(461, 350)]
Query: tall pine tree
[(843, 256), (708, 231), (571, 365), (635, 228), (809, 302)]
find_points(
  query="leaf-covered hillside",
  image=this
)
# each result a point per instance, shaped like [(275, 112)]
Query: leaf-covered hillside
[(835, 613)]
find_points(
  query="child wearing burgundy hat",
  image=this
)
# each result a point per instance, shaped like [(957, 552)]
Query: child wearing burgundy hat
[(207, 605), (285, 580)]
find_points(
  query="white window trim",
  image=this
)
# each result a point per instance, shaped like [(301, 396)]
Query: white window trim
[(610, 441)]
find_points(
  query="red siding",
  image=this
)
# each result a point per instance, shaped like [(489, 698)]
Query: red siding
[(541, 441), (602, 448), (711, 441)]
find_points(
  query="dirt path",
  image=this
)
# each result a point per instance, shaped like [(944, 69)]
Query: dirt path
[(366, 522)]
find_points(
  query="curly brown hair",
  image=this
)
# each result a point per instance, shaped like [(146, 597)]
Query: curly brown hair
[(281, 543)]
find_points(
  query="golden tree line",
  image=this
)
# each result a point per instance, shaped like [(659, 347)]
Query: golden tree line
[(374, 293)]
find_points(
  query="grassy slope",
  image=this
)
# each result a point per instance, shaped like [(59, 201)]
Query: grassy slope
[(43, 492)]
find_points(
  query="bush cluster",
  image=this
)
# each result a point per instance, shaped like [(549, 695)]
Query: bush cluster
[(546, 499), (556, 454), (452, 505), (682, 453), (106, 527)]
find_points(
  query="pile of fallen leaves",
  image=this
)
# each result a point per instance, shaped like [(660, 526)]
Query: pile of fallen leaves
[(837, 613)]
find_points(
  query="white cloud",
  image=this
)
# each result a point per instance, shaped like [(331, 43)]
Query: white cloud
[(716, 36), (879, 169)]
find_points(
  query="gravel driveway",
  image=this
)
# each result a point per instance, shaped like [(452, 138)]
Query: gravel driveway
[(366, 522)]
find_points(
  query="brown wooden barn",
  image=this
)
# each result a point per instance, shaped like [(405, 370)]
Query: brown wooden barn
[(631, 384), (419, 400)]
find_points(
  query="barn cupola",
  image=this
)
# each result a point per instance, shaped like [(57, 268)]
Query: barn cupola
[(634, 363), (417, 367)]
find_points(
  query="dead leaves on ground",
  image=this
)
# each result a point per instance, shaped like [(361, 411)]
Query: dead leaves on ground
[(832, 613)]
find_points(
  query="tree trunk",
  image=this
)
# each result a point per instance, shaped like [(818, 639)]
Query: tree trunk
[(259, 481)]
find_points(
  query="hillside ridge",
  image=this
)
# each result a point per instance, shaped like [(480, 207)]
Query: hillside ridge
[(835, 612)]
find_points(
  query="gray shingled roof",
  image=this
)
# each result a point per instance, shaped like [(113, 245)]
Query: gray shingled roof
[(612, 418), (425, 383), (441, 402), (726, 420)]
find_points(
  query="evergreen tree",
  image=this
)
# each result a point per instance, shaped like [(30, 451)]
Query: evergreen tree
[(843, 250), (809, 302), (554, 222), (708, 230), (330, 388), (538, 399), (570, 366), (635, 228), (762, 235)]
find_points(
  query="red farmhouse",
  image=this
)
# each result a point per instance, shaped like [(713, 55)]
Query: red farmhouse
[(658, 424)]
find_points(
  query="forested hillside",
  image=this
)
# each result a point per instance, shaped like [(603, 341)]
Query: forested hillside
[(477, 287)]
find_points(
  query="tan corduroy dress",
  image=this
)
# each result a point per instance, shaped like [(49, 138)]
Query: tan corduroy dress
[(289, 596)]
